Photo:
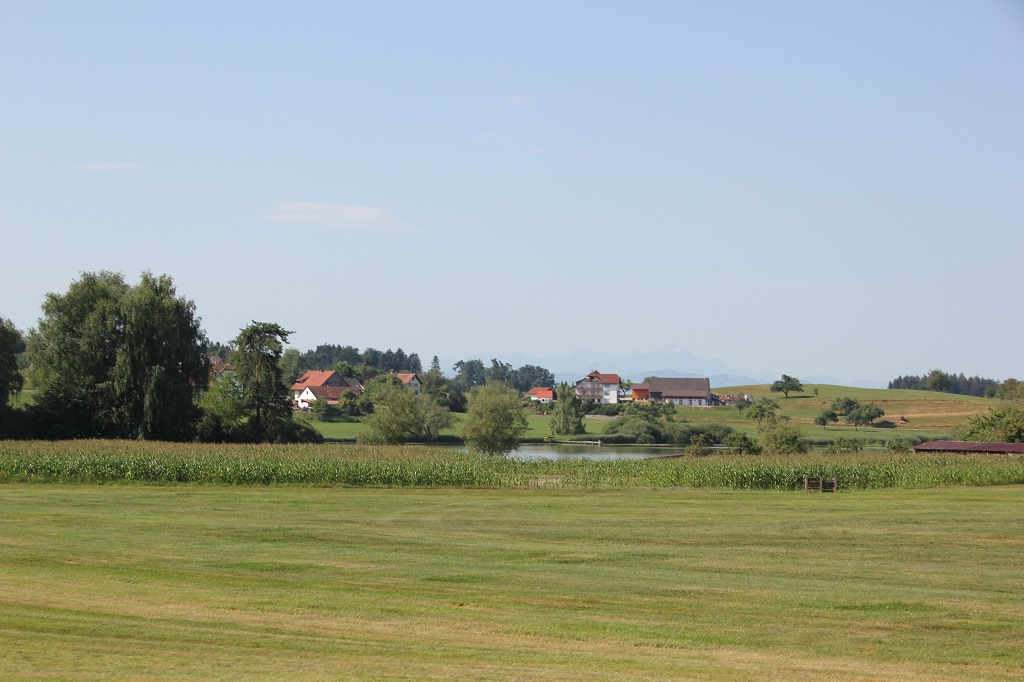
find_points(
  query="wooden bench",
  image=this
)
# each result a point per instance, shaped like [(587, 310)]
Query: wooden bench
[(817, 484)]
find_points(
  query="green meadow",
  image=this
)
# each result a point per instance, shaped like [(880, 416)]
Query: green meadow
[(929, 415), (299, 583)]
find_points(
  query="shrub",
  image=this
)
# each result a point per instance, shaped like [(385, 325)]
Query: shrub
[(843, 446)]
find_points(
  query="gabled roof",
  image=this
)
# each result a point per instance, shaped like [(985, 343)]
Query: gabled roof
[(313, 377), (602, 378), (406, 378), (680, 388), (969, 446), (330, 392), (542, 392)]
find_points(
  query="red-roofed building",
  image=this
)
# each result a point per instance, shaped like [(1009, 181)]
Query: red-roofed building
[(601, 388), (411, 381), (542, 394), (316, 385)]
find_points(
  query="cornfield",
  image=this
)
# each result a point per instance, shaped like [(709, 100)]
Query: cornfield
[(99, 462)]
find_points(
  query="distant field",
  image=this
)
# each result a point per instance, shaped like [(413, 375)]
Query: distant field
[(203, 582), (930, 415)]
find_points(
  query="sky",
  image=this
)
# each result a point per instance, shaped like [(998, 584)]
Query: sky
[(803, 187)]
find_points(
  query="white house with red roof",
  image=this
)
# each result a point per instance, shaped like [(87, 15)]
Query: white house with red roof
[(601, 388), (542, 394), (322, 385), (411, 381)]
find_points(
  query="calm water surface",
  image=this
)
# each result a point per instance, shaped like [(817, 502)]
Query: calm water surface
[(548, 451)]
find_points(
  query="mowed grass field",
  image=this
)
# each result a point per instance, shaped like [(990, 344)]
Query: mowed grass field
[(133, 582)]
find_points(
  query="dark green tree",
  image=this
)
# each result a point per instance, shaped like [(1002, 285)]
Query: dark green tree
[(495, 421), (112, 360), (468, 374), (11, 380), (787, 385), (531, 376), (265, 399), (567, 414), (937, 380)]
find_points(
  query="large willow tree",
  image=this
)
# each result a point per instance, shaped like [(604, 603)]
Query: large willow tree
[(119, 361)]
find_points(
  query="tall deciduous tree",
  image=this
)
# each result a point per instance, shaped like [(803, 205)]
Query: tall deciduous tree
[(120, 361), (469, 373), (495, 422), (264, 398), (567, 415), (787, 385), (11, 380), (531, 376)]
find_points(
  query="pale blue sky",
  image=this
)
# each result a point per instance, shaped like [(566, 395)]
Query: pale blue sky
[(802, 187)]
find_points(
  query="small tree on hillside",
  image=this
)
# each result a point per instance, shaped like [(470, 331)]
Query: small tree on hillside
[(827, 416), (843, 406), (787, 385), (763, 409), (864, 414)]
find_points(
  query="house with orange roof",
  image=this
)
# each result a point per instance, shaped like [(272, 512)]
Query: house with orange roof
[(322, 385), (600, 388), (542, 394), (411, 381)]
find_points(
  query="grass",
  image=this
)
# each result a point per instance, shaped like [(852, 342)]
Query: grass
[(199, 582), (930, 415)]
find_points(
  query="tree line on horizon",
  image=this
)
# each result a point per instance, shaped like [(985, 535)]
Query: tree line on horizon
[(949, 382)]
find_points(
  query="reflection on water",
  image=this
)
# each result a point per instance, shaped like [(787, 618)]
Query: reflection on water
[(549, 451)]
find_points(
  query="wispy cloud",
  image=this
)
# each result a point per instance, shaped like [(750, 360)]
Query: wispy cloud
[(340, 216), (112, 166), (517, 100)]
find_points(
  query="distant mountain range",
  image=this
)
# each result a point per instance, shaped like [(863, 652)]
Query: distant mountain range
[(573, 365)]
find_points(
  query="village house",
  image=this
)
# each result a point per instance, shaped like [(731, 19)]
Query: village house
[(675, 391), (411, 381), (219, 368), (542, 394), (322, 385), (601, 388)]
